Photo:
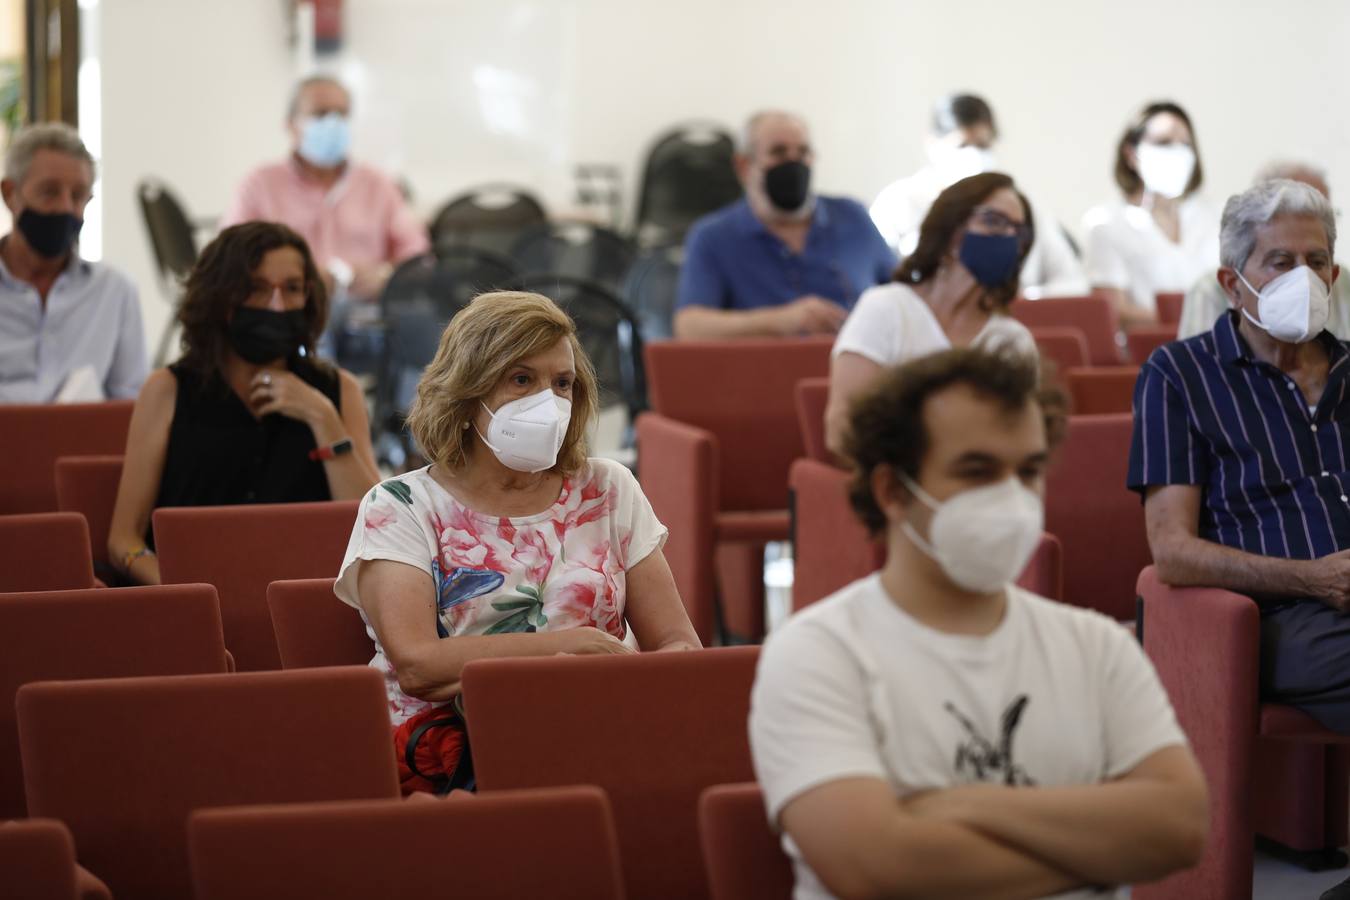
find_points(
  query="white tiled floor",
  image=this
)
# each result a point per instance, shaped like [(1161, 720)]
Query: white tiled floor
[(1278, 880)]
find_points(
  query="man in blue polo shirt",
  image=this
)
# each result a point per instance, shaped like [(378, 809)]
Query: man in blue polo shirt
[(1242, 447), (781, 261)]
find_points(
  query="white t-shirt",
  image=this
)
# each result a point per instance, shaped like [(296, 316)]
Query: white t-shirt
[(1127, 250), (1051, 268), (855, 687), (561, 568), (891, 324)]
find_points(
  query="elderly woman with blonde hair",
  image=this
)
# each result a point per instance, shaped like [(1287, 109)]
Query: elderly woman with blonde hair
[(511, 542)]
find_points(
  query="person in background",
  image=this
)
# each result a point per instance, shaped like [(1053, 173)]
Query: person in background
[(953, 290), (248, 414), (1206, 301), (782, 260), (1161, 235), (932, 730), (960, 145), (512, 542), (353, 217), (70, 329)]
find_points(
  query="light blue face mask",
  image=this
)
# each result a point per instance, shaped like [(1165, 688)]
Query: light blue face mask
[(324, 140)]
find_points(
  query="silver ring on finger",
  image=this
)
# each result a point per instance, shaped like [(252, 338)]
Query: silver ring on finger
[(267, 379)]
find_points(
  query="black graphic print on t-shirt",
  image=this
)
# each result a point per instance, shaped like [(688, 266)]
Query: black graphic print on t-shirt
[(980, 759)]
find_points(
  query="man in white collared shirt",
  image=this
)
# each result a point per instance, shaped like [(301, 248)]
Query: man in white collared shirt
[(69, 328)]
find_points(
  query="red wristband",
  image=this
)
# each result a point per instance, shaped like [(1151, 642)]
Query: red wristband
[(319, 454)]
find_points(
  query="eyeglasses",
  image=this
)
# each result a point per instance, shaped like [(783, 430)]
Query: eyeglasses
[(991, 221)]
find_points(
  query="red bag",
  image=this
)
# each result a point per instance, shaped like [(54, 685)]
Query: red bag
[(432, 749)]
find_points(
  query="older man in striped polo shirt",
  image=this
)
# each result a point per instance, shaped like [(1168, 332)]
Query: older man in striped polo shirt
[(1242, 447)]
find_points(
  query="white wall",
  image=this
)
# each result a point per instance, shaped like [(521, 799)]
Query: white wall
[(453, 92)]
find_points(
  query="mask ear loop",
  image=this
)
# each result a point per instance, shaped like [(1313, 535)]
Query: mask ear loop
[(927, 500)]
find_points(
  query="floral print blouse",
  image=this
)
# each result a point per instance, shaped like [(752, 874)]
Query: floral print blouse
[(562, 568)]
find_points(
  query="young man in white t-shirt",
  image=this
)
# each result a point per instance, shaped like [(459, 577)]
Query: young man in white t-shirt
[(932, 730)]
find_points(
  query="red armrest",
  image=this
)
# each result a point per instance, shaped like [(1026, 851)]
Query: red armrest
[(677, 466)]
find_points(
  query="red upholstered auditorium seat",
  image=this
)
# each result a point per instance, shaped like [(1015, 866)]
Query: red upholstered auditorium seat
[(652, 729), (45, 552), (37, 862), (557, 843), (315, 628), (1144, 340), (243, 549), (742, 855), (35, 436), (1093, 316), (1099, 390), (1064, 346), (101, 633), (1169, 307), (124, 761), (713, 460), (88, 485), (813, 395)]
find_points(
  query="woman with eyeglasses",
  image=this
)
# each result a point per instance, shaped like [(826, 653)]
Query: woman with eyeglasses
[(952, 291), (1161, 235), (248, 414)]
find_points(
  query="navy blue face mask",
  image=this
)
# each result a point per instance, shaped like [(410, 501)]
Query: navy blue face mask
[(991, 258)]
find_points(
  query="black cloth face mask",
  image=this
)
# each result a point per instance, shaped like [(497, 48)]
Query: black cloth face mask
[(49, 234), (788, 184), (262, 335)]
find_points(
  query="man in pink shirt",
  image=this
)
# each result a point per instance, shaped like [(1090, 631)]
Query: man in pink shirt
[(352, 215)]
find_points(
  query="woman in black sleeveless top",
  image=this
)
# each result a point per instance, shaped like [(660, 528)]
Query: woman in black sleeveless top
[(248, 414)]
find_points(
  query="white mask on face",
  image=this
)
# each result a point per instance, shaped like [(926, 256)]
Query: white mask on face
[(954, 163), (1294, 306), (526, 434), (982, 538), (1166, 169)]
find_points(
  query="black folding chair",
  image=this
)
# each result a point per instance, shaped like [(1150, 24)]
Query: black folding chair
[(608, 333), (650, 289), (577, 250), (490, 217), (419, 300), (688, 174), (173, 241)]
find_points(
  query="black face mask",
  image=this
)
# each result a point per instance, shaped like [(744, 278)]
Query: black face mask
[(262, 335), (49, 234), (788, 184)]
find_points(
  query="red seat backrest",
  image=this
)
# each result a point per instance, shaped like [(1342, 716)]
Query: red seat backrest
[(243, 549), (98, 633), (652, 729), (314, 628), (1143, 340), (1169, 307), (88, 485), (1093, 316), (744, 393), (364, 849), (1064, 346), (1101, 390), (1097, 519), (35, 436), (166, 746), (743, 856), (45, 552), (37, 860), (813, 395)]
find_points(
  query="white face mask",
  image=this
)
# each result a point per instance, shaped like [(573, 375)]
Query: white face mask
[(1166, 169), (982, 538), (1294, 306), (954, 163), (526, 434)]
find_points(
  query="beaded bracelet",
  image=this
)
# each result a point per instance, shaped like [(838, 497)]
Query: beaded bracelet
[(132, 555)]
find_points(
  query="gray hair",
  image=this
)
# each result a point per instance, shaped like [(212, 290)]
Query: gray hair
[(746, 143), (1256, 206), (56, 136), (1292, 169), (293, 105)]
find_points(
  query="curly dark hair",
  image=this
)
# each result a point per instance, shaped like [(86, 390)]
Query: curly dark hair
[(886, 426), (221, 281), (945, 217), (1128, 179)]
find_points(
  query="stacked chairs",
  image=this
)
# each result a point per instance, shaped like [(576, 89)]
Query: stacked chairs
[(489, 217), (653, 730), (88, 485), (102, 633), (576, 250), (650, 289), (36, 436), (314, 628), (557, 843), (688, 173), (714, 462), (166, 746), (243, 549)]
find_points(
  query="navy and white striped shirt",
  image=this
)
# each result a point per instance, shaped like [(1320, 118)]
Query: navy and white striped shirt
[(1274, 473)]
